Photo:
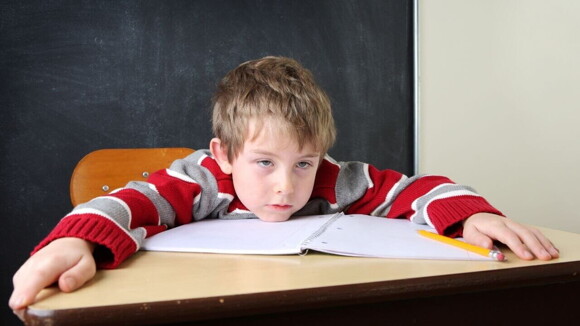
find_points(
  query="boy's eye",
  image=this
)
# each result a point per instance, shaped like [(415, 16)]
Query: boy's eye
[(303, 165), (265, 163)]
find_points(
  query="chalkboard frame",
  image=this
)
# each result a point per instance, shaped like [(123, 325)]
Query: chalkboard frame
[(71, 75)]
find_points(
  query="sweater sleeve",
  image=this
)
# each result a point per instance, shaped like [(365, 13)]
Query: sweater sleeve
[(118, 222), (424, 199)]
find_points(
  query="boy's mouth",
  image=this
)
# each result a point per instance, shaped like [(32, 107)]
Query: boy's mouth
[(280, 207)]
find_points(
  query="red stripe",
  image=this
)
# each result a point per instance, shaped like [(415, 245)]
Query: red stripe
[(180, 194), (402, 206), (143, 212), (447, 213), (154, 229), (325, 182), (383, 181)]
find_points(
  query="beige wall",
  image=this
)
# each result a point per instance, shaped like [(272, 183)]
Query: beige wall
[(500, 103)]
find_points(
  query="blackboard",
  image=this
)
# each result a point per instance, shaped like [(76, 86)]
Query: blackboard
[(76, 76)]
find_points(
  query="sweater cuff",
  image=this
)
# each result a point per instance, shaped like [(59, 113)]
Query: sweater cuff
[(114, 245), (447, 215)]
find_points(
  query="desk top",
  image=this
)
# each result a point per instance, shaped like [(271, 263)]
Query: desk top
[(211, 284)]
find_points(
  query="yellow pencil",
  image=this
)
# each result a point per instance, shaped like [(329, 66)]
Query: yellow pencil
[(493, 254)]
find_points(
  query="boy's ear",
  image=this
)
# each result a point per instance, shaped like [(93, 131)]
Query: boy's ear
[(220, 153)]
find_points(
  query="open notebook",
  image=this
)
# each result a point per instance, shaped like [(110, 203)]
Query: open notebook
[(340, 234)]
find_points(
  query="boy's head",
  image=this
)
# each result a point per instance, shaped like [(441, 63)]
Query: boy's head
[(276, 91), (273, 125)]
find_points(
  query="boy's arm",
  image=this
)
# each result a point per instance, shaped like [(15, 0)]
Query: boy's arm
[(118, 222), (112, 227), (453, 210), (423, 199)]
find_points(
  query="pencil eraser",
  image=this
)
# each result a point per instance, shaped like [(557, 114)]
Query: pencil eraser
[(500, 256)]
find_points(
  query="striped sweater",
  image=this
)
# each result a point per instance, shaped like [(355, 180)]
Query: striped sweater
[(195, 188)]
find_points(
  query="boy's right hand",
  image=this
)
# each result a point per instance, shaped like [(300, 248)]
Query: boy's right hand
[(67, 260)]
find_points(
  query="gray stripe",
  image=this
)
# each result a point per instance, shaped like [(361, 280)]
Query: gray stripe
[(384, 208), (419, 216), (138, 234), (316, 206), (164, 209), (351, 183), (235, 216), (208, 204), (109, 207)]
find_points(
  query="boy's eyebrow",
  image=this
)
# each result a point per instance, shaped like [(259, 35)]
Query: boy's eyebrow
[(263, 152)]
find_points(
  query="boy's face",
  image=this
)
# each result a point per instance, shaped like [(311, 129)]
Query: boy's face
[(272, 177)]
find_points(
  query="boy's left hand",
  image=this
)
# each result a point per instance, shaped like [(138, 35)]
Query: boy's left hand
[(482, 229)]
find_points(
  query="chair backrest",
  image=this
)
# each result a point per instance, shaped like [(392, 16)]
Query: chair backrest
[(104, 170)]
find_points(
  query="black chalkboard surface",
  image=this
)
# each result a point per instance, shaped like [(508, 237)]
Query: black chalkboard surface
[(76, 76)]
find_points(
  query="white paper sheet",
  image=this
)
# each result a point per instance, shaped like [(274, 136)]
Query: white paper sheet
[(248, 236), (348, 235), (371, 236)]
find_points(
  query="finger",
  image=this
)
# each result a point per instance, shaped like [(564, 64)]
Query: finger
[(32, 277), (77, 275), (547, 244), (510, 238), (517, 246), (537, 243), (473, 236), (21, 298)]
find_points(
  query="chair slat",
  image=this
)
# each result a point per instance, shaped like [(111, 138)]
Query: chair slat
[(104, 170)]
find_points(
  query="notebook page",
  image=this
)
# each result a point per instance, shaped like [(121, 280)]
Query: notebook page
[(246, 236), (370, 236)]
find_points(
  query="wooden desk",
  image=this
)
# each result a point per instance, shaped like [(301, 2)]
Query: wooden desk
[(302, 290)]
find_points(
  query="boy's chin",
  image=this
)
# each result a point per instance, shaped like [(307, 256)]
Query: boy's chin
[(276, 218)]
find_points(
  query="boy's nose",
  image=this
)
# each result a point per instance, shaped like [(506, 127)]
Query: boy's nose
[(284, 184)]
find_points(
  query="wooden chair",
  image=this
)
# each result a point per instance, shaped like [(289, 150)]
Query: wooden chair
[(104, 170)]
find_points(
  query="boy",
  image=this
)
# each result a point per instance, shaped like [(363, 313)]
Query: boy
[(273, 126)]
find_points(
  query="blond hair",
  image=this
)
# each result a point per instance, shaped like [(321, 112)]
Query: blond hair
[(275, 89)]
